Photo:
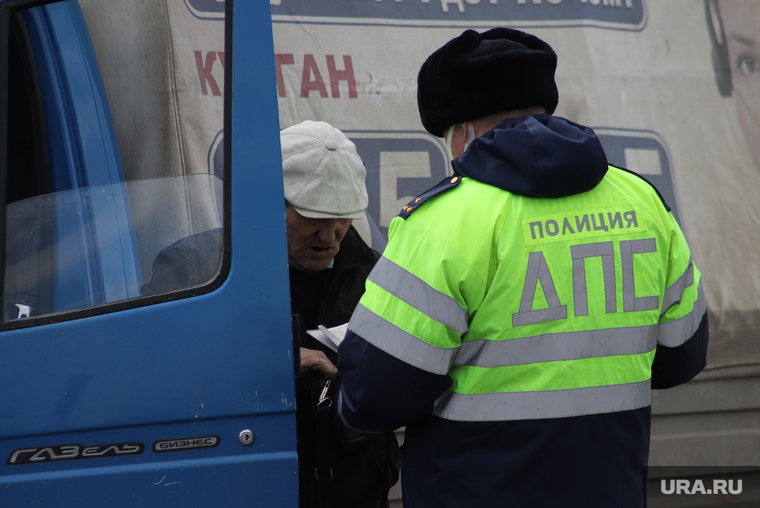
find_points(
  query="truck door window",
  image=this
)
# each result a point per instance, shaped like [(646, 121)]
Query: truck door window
[(86, 230)]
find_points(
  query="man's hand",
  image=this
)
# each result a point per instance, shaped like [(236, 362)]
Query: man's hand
[(312, 359)]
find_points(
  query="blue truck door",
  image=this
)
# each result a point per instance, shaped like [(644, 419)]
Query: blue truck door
[(168, 397)]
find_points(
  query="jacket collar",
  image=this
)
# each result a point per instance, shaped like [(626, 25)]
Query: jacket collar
[(540, 156)]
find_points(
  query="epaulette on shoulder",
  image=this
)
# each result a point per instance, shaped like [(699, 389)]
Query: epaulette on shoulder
[(647, 181), (447, 183)]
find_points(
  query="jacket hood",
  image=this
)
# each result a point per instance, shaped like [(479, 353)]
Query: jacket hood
[(540, 156)]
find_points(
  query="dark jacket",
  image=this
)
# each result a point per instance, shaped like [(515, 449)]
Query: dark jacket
[(363, 468)]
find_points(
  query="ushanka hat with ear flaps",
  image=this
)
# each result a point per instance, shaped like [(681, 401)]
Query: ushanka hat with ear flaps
[(476, 75)]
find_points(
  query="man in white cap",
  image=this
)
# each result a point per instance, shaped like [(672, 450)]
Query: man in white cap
[(329, 263)]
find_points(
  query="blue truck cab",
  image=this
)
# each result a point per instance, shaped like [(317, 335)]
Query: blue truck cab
[(146, 353)]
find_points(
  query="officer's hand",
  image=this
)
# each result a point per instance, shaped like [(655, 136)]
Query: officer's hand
[(312, 359)]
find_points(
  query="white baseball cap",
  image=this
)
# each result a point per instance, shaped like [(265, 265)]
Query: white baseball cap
[(322, 173)]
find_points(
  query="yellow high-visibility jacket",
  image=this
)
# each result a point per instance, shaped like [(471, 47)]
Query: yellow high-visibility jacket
[(509, 330)]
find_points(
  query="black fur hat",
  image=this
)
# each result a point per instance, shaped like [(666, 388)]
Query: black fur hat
[(475, 75)]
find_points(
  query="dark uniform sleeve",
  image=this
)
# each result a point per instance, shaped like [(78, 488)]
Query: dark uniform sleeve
[(372, 382)]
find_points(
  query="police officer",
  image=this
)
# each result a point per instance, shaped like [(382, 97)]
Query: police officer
[(524, 307)]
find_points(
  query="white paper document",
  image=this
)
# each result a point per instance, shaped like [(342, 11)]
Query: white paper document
[(330, 337)]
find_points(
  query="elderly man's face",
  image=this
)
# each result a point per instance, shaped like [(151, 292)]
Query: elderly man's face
[(313, 243)]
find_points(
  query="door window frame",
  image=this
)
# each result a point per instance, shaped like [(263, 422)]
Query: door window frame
[(7, 10)]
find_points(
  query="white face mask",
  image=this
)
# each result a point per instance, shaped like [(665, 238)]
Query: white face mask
[(450, 134)]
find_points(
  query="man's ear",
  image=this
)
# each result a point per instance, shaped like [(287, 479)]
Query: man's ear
[(460, 135)]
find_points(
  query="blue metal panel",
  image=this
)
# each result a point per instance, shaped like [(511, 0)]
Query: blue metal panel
[(214, 364), (212, 477)]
